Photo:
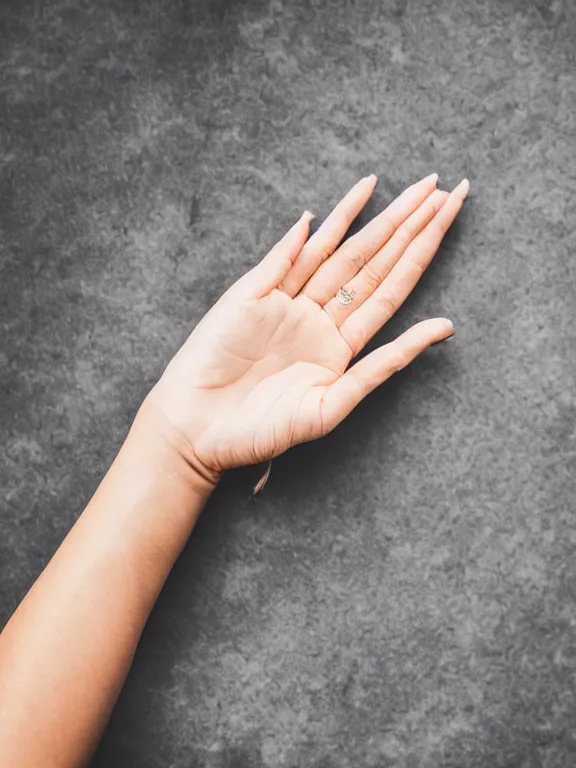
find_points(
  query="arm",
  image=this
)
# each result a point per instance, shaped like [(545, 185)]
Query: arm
[(66, 651), (267, 368)]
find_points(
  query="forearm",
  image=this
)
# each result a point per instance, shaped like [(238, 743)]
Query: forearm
[(66, 651)]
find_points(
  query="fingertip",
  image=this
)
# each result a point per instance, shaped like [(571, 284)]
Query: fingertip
[(372, 179), (446, 325), (462, 189), (443, 331), (307, 217), (363, 188), (431, 179)]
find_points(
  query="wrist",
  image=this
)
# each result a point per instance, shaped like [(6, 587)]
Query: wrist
[(167, 447)]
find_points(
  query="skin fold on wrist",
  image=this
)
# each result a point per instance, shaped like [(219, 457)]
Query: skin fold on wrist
[(167, 446)]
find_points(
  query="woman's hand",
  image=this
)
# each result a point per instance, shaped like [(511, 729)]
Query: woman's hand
[(265, 369), (267, 366)]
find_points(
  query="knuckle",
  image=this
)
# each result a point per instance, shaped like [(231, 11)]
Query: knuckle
[(353, 255), (386, 304), (417, 267), (316, 251), (383, 233), (372, 277), (438, 203), (388, 225), (436, 230), (398, 360), (409, 231), (324, 251)]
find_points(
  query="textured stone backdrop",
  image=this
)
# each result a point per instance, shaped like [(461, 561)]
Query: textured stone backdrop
[(404, 592)]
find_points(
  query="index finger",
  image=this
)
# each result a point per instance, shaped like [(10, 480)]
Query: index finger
[(324, 242)]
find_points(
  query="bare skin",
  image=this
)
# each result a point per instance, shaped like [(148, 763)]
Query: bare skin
[(267, 368)]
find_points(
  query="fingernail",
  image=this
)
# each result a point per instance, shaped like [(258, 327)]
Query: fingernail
[(308, 216), (372, 177), (462, 189), (433, 177)]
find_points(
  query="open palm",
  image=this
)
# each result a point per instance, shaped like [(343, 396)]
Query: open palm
[(267, 367)]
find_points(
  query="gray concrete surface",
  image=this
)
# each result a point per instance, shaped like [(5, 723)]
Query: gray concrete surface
[(404, 592)]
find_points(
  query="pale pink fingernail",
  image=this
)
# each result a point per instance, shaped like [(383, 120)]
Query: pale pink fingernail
[(462, 189), (448, 324)]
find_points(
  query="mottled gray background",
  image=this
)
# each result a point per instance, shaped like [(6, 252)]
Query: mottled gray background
[(404, 592)]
